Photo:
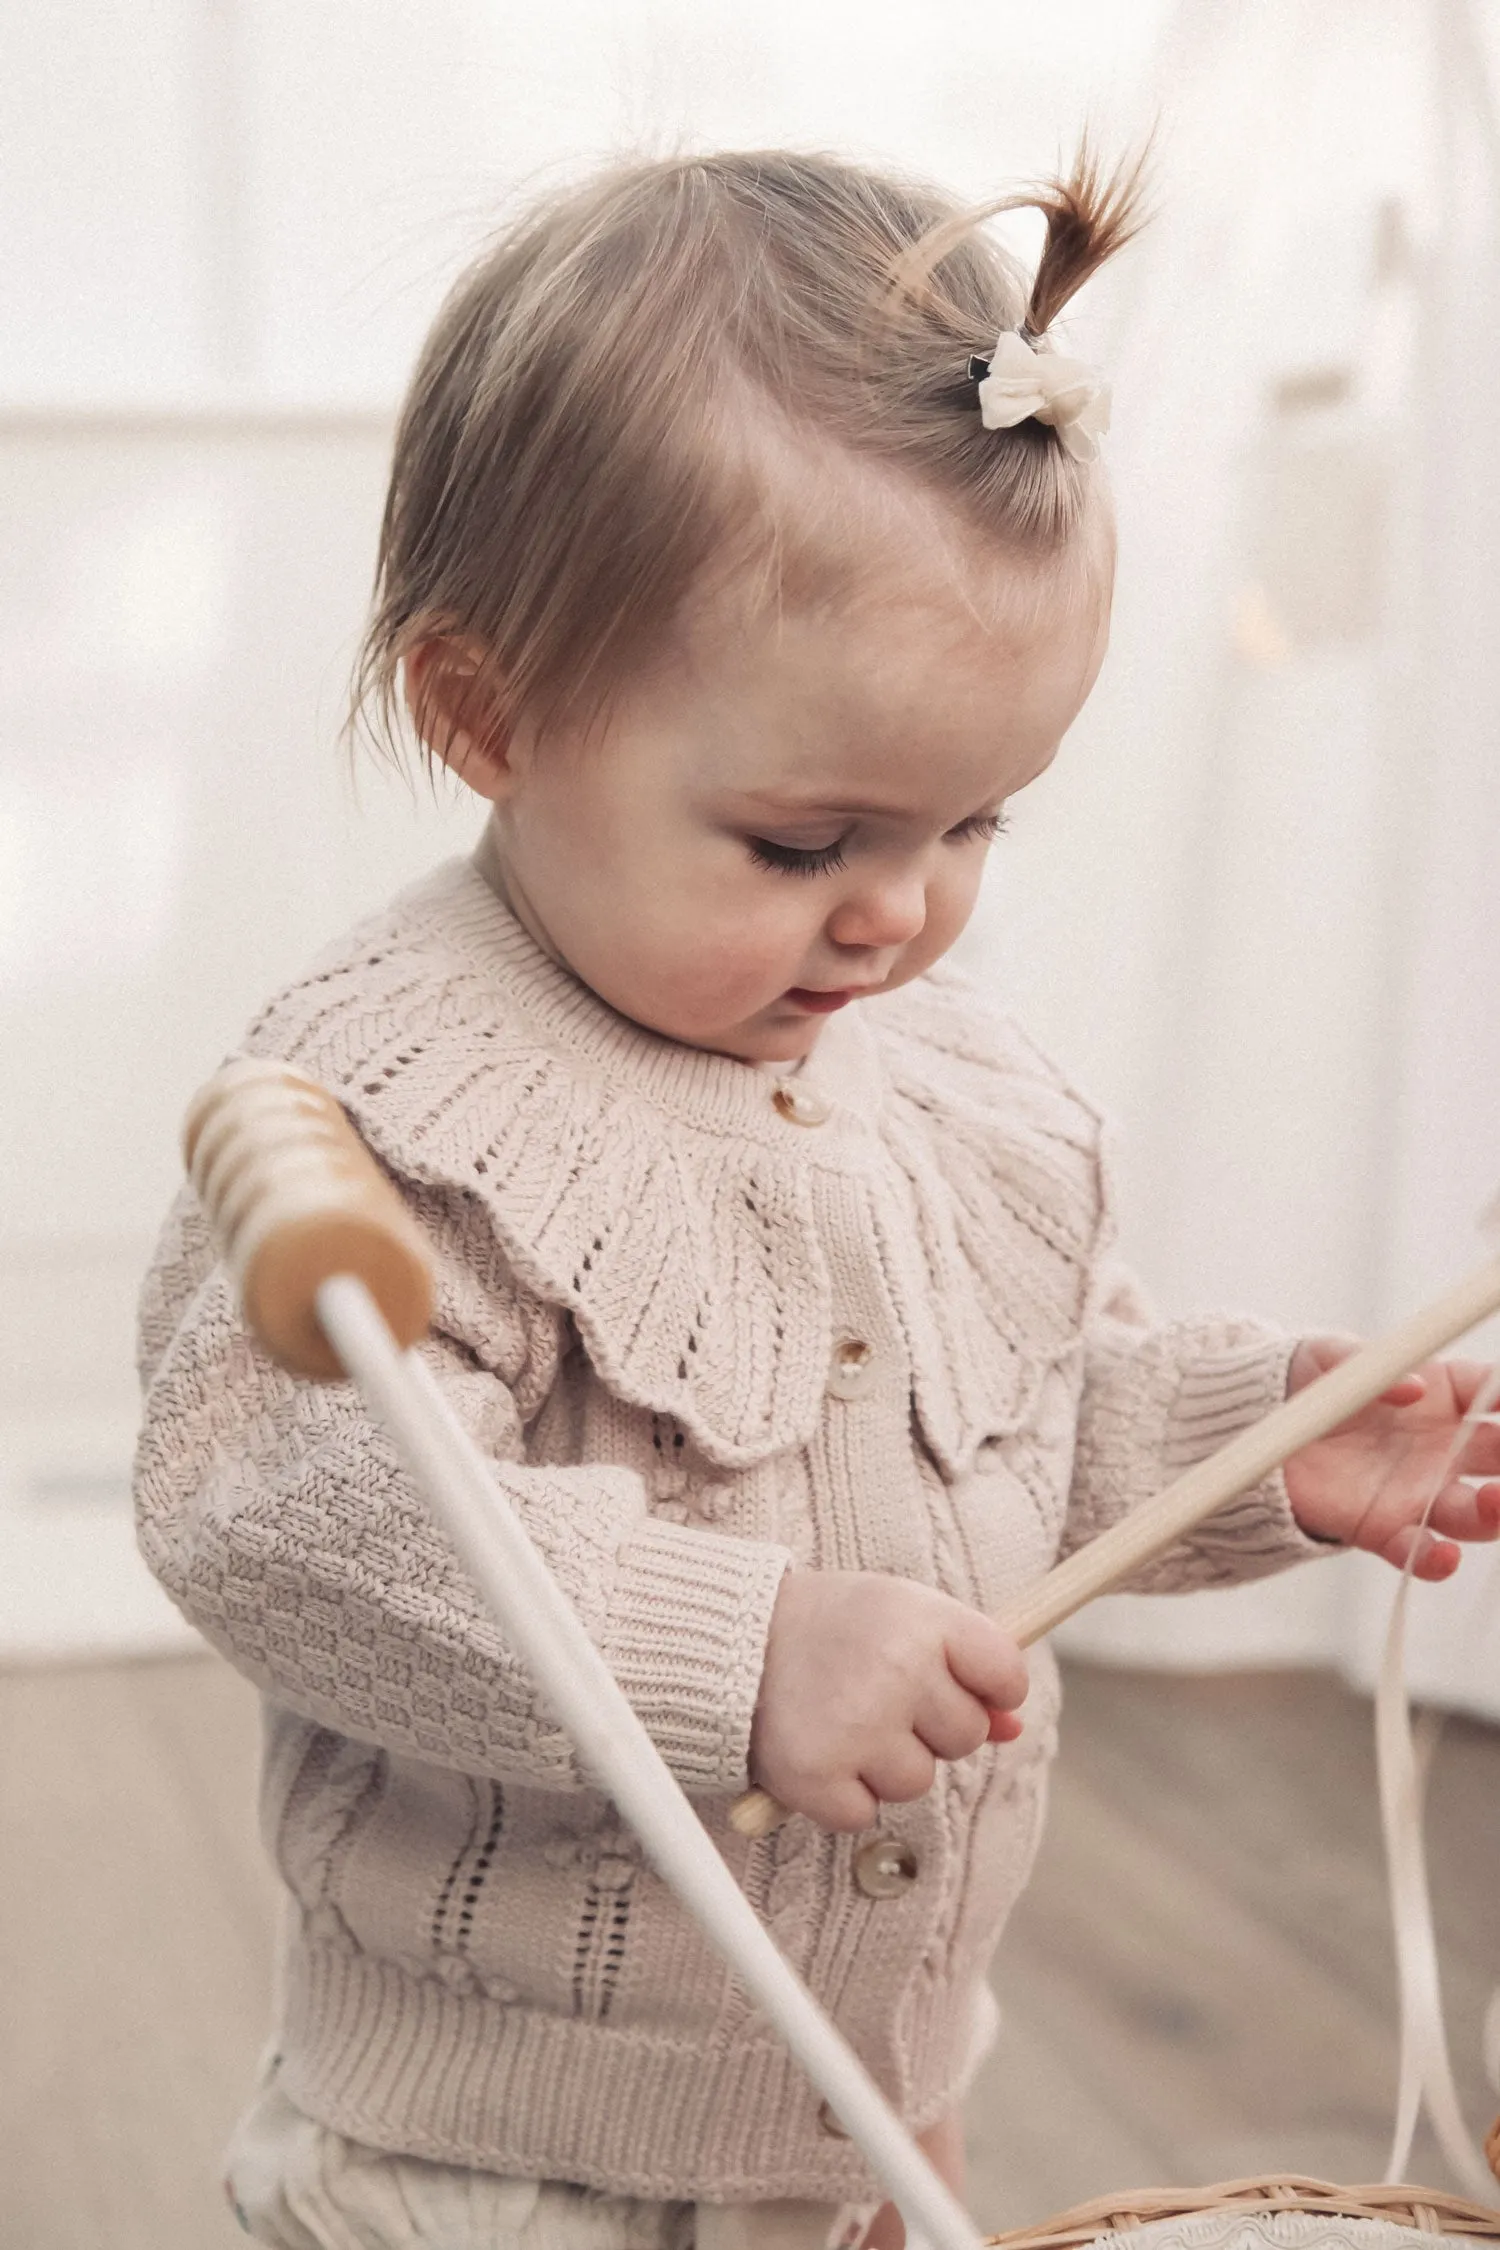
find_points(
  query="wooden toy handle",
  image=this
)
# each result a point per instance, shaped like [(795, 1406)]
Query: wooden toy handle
[(293, 1196), (1137, 1538)]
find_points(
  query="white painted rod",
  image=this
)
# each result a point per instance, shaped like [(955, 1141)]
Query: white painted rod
[(460, 1490)]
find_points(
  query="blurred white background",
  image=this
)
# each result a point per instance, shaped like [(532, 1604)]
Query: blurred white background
[(1251, 907)]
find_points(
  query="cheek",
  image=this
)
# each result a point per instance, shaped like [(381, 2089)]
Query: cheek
[(950, 902), (737, 947), (961, 891), (685, 934)]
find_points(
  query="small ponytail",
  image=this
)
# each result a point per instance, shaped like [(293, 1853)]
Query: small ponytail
[(1088, 218)]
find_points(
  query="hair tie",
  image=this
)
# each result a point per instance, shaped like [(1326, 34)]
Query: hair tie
[(1019, 384)]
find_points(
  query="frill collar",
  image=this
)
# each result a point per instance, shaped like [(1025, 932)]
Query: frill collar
[(663, 1196)]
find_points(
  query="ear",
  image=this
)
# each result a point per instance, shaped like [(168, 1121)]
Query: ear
[(456, 711)]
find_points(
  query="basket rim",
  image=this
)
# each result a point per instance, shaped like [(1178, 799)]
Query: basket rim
[(1429, 2210)]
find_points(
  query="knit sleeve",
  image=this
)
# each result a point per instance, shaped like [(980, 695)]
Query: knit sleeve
[(1157, 1398), (277, 1517)]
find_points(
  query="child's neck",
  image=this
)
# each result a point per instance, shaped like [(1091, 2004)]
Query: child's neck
[(490, 862)]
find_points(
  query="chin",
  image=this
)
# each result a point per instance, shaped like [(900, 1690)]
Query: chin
[(783, 1045), (789, 1048), (747, 1041)]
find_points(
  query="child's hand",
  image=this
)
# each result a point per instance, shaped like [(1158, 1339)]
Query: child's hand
[(868, 1681), (1367, 1482)]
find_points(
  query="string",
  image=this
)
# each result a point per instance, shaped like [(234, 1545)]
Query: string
[(1403, 1759)]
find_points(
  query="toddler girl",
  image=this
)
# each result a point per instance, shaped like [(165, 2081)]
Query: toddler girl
[(774, 1271)]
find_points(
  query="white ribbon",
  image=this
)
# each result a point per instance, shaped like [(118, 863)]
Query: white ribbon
[(1426, 2071), (1029, 386)]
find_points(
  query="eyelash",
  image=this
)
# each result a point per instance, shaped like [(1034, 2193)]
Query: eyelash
[(786, 859)]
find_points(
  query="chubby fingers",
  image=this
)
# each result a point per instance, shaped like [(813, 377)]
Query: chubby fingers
[(958, 1712), (1467, 1378), (898, 1772), (1481, 1454), (989, 1664), (950, 1721), (1461, 1512), (1434, 1558), (1466, 1511), (847, 1806), (1315, 1355), (1405, 1392), (971, 1703)]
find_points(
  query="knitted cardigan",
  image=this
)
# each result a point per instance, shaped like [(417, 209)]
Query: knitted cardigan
[(649, 1258)]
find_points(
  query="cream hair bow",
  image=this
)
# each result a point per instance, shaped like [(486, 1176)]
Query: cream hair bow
[(1022, 385)]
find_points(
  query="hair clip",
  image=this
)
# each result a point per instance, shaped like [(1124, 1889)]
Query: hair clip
[(1018, 384)]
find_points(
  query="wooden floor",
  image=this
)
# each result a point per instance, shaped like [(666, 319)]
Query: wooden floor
[(1198, 1984)]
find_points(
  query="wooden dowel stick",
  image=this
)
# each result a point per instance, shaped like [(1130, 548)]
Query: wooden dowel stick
[(1149, 1530)]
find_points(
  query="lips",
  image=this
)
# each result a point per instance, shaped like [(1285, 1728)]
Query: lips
[(824, 1003)]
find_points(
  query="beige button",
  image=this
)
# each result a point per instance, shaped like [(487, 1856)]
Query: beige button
[(830, 2123), (885, 1867), (799, 1105), (851, 1367)]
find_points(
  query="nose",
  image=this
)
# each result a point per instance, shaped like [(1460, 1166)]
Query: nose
[(882, 913)]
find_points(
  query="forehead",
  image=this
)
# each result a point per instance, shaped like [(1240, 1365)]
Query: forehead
[(914, 686)]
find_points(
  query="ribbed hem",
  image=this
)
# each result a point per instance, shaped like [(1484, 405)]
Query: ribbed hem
[(688, 1618), (401, 2063)]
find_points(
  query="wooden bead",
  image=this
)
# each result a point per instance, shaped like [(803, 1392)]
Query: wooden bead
[(756, 1813), (293, 1196)]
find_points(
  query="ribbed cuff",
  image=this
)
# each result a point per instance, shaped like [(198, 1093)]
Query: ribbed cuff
[(1231, 1386), (1181, 1394), (1223, 1391), (689, 1613)]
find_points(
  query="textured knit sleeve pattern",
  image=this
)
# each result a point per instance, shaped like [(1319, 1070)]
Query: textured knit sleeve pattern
[(1156, 1399), (277, 1516)]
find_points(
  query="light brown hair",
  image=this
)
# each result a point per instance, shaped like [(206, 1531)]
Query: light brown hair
[(590, 423)]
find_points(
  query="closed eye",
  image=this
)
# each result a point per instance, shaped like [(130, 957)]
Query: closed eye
[(984, 826), (791, 861)]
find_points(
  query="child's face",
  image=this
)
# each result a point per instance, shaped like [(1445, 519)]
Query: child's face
[(795, 809)]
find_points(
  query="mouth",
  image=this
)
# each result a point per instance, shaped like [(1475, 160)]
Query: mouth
[(824, 1003)]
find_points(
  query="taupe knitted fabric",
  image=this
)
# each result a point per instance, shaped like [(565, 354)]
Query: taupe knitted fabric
[(647, 1264)]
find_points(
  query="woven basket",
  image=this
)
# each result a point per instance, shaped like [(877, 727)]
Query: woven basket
[(1425, 2210)]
